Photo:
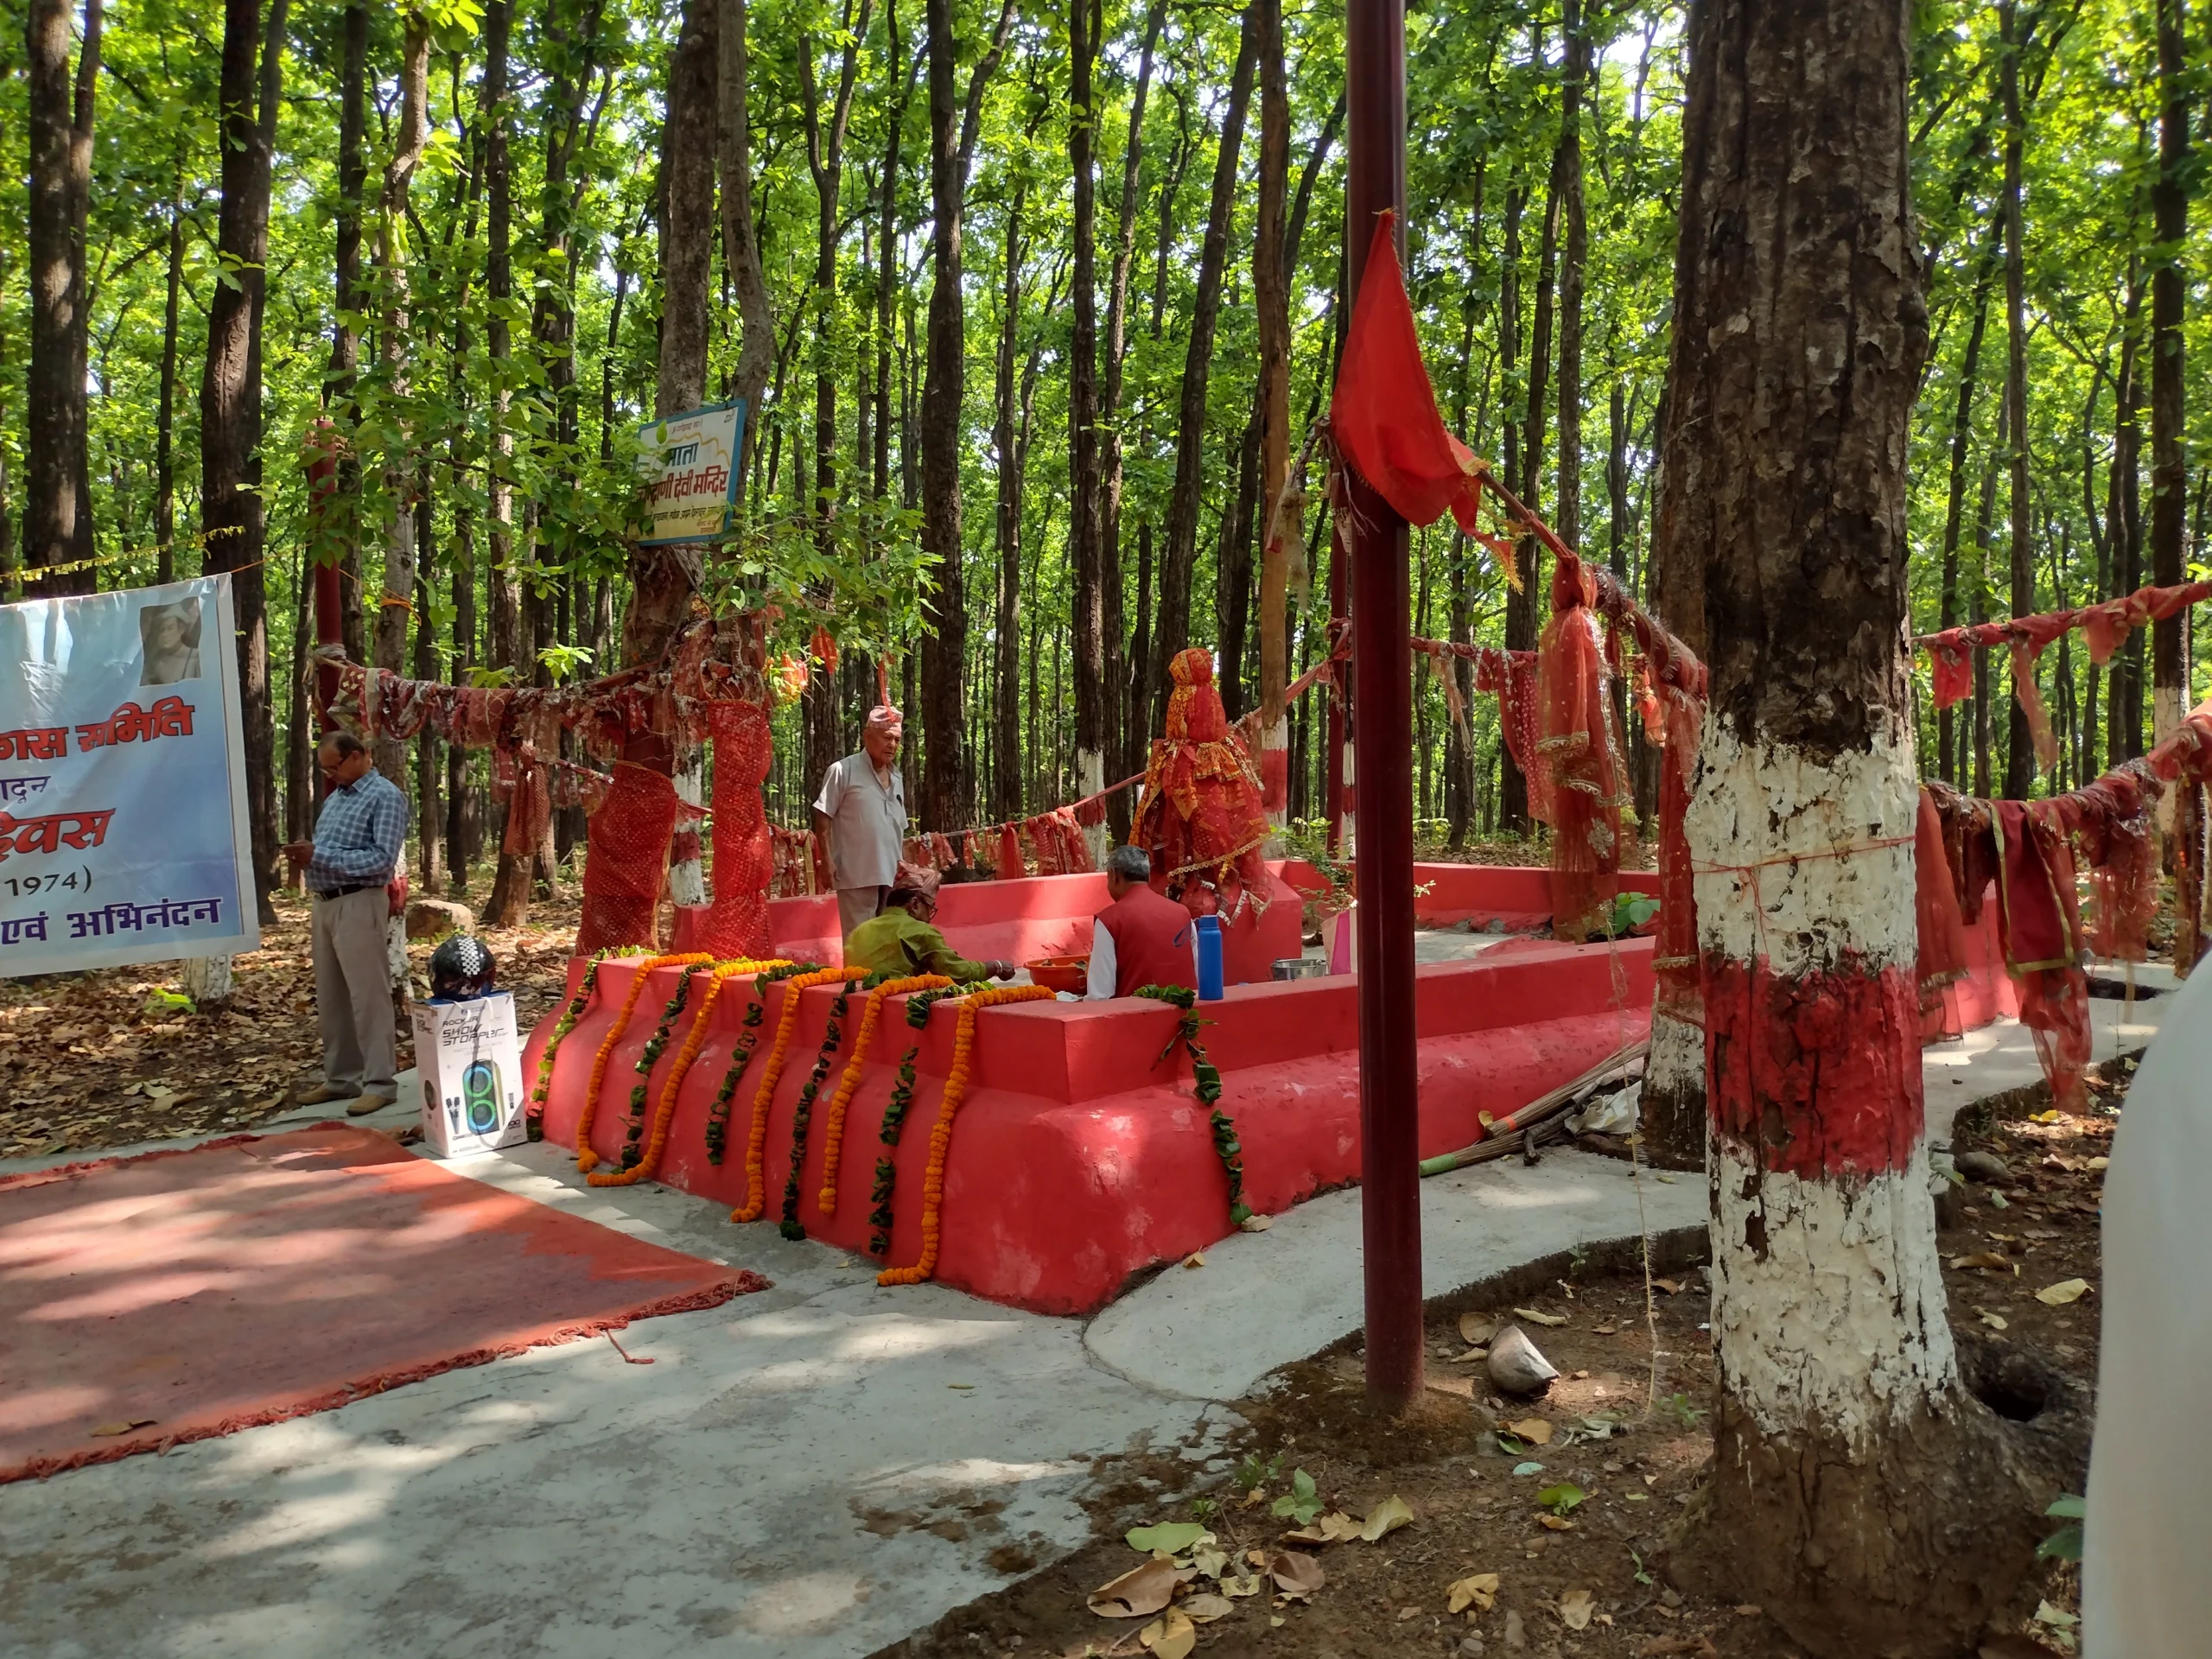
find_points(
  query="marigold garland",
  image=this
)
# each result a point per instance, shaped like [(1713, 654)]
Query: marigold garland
[(833, 1132), (586, 1159), (534, 1115), (636, 1169), (803, 1113), (756, 1200), (740, 1055), (895, 1118), (1205, 1084), (955, 1091)]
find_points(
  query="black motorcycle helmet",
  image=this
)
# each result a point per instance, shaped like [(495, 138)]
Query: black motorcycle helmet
[(461, 969)]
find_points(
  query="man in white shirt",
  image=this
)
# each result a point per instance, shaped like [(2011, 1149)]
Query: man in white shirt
[(861, 815)]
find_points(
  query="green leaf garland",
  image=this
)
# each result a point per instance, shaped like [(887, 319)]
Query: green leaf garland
[(802, 1114), (534, 1115), (741, 1057), (634, 1132), (887, 1171), (1205, 1085)]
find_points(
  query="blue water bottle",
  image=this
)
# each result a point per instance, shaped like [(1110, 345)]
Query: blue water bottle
[(1208, 958)]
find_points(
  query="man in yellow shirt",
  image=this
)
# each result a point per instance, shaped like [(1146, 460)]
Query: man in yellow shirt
[(904, 941)]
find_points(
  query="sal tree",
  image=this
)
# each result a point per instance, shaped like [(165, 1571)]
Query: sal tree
[(1860, 1493)]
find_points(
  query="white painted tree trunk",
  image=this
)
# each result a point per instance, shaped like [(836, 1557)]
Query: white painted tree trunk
[(1827, 1301), (207, 981), (687, 877), (1090, 779)]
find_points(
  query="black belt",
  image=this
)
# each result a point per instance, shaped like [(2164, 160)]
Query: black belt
[(359, 886)]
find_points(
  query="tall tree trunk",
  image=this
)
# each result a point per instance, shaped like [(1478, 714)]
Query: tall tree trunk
[(662, 579), (508, 904), (165, 428), (230, 513), (429, 833), (401, 479), (345, 338), (825, 161), (1569, 518), (947, 788), (1117, 736), (1513, 783), (1086, 516), (1233, 568), (756, 357), (1006, 773), (1947, 766), (2169, 470), (1179, 555), (1860, 1494), (1271, 298), (57, 480), (2124, 525), (2020, 751), (1978, 601)]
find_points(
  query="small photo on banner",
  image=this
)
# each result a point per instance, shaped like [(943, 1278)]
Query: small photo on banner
[(124, 834)]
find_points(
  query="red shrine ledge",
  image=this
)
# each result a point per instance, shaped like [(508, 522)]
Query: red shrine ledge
[(1080, 1157)]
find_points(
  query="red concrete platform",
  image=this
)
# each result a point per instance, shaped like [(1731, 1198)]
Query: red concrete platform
[(1080, 1157)]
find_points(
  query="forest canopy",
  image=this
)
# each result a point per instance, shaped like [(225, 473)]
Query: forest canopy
[(473, 214)]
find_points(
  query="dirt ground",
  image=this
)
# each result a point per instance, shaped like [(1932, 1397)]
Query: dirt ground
[(113, 1057), (1629, 1438)]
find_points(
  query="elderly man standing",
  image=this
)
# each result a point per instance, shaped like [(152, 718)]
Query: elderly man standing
[(861, 815), (358, 836), (1143, 937)]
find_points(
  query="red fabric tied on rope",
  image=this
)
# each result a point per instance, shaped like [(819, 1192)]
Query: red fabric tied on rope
[(745, 854), (942, 857), (1383, 417), (1674, 956), (2032, 704), (1579, 751), (1201, 812), (1936, 906), (793, 878), (2111, 822), (1009, 860), (2040, 929), (626, 862), (1954, 672)]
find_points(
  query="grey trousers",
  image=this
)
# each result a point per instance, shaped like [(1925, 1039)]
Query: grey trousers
[(353, 993), (855, 905)]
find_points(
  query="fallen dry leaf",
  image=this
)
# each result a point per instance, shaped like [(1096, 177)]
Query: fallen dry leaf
[(1667, 1646), (1672, 1286), (1575, 1607), (1195, 1259), (1386, 1518), (1534, 1317), (1476, 1328), (1257, 1223), (2065, 1290), (1535, 1430), (1555, 1524), (1748, 1610), (1204, 1608), (1296, 1574), (1138, 1593), (1986, 1261), (1331, 1529), (1172, 1637), (1249, 1584), (123, 1427), (1994, 1321), (1477, 1591)]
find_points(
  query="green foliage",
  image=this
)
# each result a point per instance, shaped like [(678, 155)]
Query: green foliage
[(2065, 1544), (1302, 1502)]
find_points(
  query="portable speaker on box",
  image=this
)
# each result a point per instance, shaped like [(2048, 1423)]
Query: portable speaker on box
[(471, 1066)]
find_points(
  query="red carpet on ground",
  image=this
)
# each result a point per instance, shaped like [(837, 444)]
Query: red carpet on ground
[(151, 1300)]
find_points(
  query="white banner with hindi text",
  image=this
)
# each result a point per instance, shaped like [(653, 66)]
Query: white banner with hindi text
[(124, 834)]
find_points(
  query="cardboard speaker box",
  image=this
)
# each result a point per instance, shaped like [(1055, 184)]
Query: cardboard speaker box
[(471, 1066)]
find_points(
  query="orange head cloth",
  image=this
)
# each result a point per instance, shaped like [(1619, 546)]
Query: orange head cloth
[(1194, 711)]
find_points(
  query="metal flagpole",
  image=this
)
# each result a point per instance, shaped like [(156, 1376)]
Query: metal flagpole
[(1374, 73)]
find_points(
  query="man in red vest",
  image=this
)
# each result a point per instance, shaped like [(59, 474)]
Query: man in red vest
[(1142, 937)]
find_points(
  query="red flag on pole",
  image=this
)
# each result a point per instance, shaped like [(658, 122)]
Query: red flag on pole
[(1384, 416)]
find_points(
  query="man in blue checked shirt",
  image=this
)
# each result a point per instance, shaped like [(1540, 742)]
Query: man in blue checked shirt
[(357, 839)]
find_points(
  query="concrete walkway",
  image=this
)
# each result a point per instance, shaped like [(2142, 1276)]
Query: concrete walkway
[(816, 1469)]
